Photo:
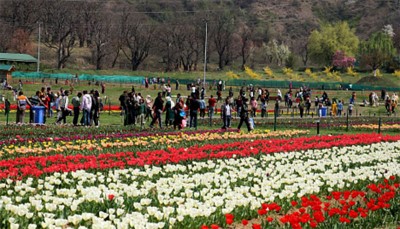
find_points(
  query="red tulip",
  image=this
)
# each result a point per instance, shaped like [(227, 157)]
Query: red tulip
[(294, 203), (214, 226)]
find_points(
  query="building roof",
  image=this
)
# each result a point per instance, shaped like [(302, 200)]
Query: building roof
[(4, 67), (17, 57)]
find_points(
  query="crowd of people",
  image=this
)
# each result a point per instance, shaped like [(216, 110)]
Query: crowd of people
[(85, 104), (184, 111)]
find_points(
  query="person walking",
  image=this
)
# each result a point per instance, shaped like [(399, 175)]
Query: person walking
[(244, 114), (76, 103), (301, 107), (149, 104), (194, 107), (169, 114), (86, 106), (96, 108), (158, 109), (130, 104), (22, 103), (226, 114), (339, 108), (334, 108), (254, 105), (211, 106), (64, 108), (179, 114), (141, 112), (202, 104)]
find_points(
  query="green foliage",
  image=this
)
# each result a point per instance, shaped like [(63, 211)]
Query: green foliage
[(291, 61), (324, 43), (377, 50)]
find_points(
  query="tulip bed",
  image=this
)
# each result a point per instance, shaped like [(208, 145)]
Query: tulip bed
[(394, 127), (202, 180), (94, 144)]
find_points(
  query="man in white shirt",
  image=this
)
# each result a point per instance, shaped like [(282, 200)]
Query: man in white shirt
[(86, 107), (63, 104), (226, 114)]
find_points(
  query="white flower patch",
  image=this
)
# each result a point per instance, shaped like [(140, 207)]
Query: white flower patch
[(170, 195)]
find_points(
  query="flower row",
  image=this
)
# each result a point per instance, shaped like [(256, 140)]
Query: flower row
[(344, 207), (95, 136), (375, 127), (106, 144), (197, 192), (38, 165)]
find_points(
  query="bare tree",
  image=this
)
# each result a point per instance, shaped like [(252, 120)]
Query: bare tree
[(88, 14), (101, 44), (21, 14), (167, 49), (138, 39), (222, 31), (188, 46), (4, 37), (118, 36), (59, 31), (245, 41)]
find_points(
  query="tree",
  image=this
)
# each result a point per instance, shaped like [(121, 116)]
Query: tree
[(138, 40), (22, 14), (88, 14), (118, 36), (340, 60), (58, 29), (166, 48), (277, 52), (20, 41), (222, 30), (323, 44), (245, 39), (377, 50), (4, 37), (101, 42)]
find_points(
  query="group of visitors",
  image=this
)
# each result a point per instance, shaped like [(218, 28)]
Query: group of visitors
[(87, 103), (184, 111)]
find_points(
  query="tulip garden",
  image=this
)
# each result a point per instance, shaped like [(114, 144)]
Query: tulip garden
[(53, 177)]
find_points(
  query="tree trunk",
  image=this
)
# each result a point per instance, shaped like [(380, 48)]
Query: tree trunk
[(114, 62)]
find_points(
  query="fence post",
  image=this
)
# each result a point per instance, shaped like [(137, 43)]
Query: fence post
[(109, 106), (347, 121), (318, 121), (275, 114), (379, 125)]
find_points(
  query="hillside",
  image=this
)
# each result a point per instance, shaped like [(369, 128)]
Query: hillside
[(174, 21)]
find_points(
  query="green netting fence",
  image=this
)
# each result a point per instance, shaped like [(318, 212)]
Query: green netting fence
[(228, 83), (67, 76), (295, 84)]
